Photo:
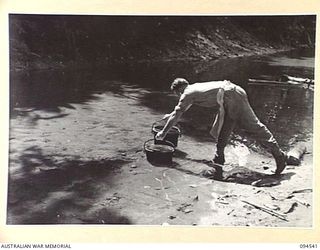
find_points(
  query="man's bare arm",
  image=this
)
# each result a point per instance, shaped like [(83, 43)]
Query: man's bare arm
[(174, 117)]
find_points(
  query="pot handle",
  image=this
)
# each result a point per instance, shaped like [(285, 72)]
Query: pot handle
[(144, 145), (153, 124), (170, 143)]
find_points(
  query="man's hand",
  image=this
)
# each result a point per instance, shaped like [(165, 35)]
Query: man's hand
[(160, 135), (166, 116)]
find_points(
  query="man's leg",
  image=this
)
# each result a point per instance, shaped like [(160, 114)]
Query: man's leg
[(251, 123), (216, 171), (226, 130)]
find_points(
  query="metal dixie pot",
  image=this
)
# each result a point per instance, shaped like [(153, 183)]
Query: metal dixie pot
[(172, 136), (159, 153)]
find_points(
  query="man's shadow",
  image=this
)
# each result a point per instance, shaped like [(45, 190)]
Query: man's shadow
[(237, 174)]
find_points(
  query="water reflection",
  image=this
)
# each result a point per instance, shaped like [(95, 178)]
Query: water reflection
[(287, 112)]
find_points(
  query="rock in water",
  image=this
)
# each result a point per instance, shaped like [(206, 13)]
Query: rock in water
[(295, 154)]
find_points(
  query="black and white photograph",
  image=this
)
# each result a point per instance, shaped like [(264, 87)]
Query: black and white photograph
[(188, 120)]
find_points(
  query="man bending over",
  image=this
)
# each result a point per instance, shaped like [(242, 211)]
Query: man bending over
[(234, 108)]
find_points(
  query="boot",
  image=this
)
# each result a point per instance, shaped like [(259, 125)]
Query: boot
[(281, 161), (213, 173)]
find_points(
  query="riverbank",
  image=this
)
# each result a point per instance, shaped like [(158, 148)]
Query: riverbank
[(70, 42)]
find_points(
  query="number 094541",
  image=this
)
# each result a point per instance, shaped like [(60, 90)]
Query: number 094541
[(308, 246)]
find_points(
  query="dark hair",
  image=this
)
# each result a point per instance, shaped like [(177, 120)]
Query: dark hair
[(178, 82)]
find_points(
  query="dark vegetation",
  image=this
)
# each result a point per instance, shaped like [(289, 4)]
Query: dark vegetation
[(54, 41)]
